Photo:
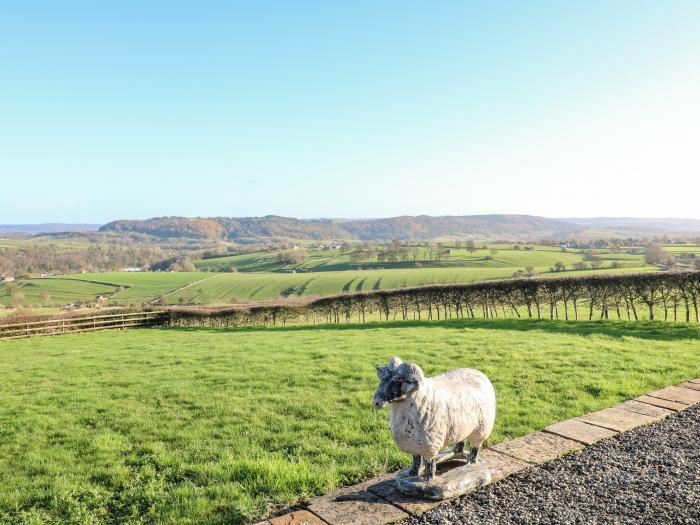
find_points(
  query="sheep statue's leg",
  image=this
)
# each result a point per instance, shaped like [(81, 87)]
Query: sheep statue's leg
[(430, 469), (458, 451), (417, 466), (474, 454)]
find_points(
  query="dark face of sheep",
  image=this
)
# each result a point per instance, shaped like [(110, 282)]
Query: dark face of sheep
[(396, 381)]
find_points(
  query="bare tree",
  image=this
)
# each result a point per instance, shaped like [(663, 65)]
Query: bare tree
[(45, 298), (654, 254)]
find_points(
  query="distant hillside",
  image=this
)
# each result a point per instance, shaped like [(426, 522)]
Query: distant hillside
[(634, 223), (406, 227), (34, 229)]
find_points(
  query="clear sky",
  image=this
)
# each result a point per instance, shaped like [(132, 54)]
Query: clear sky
[(348, 109)]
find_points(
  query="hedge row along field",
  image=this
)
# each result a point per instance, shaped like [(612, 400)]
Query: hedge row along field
[(662, 295)]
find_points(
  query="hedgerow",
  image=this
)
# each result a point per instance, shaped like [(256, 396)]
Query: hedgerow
[(668, 295)]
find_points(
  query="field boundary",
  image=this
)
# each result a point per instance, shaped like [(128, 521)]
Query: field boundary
[(671, 296), (81, 324), (378, 501)]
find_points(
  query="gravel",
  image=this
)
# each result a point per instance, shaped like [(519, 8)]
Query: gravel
[(648, 475)]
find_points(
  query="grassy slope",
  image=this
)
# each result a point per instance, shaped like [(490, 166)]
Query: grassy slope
[(205, 426), (204, 287), (224, 288), (260, 287), (146, 286), (541, 257), (60, 290), (461, 266)]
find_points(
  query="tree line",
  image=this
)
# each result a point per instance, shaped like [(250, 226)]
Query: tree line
[(46, 258), (661, 295)]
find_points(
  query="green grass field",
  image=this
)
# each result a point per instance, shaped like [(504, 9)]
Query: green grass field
[(146, 286), (542, 258), (261, 277), (219, 426), (61, 291), (224, 288), (230, 288), (137, 287), (213, 288), (682, 248)]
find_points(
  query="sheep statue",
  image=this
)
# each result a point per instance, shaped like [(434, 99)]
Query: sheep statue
[(430, 413)]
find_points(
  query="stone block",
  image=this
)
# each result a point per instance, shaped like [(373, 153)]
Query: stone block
[(356, 505), (677, 394), (537, 447), (580, 431), (661, 403), (616, 419), (644, 408)]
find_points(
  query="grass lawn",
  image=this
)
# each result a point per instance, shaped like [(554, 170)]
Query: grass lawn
[(219, 426)]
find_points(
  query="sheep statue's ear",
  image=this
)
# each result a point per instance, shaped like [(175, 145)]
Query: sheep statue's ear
[(394, 363), (382, 371)]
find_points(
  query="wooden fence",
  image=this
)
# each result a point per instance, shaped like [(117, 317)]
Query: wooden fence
[(81, 324)]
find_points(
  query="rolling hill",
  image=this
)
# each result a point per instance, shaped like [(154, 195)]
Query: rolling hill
[(405, 227)]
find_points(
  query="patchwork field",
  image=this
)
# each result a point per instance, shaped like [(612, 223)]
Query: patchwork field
[(541, 258), (225, 288), (261, 276), (214, 288), (218, 426)]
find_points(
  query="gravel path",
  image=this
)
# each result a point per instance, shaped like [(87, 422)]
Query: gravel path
[(649, 475)]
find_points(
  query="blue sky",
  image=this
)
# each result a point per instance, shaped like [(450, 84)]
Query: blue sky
[(355, 109)]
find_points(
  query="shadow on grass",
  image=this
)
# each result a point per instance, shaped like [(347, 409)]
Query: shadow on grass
[(658, 330)]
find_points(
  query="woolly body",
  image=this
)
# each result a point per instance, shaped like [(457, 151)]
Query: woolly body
[(444, 410)]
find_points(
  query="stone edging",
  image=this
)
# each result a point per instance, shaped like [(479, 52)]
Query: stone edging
[(378, 501)]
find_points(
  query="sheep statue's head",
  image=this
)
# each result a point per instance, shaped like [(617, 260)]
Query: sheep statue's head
[(397, 380)]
